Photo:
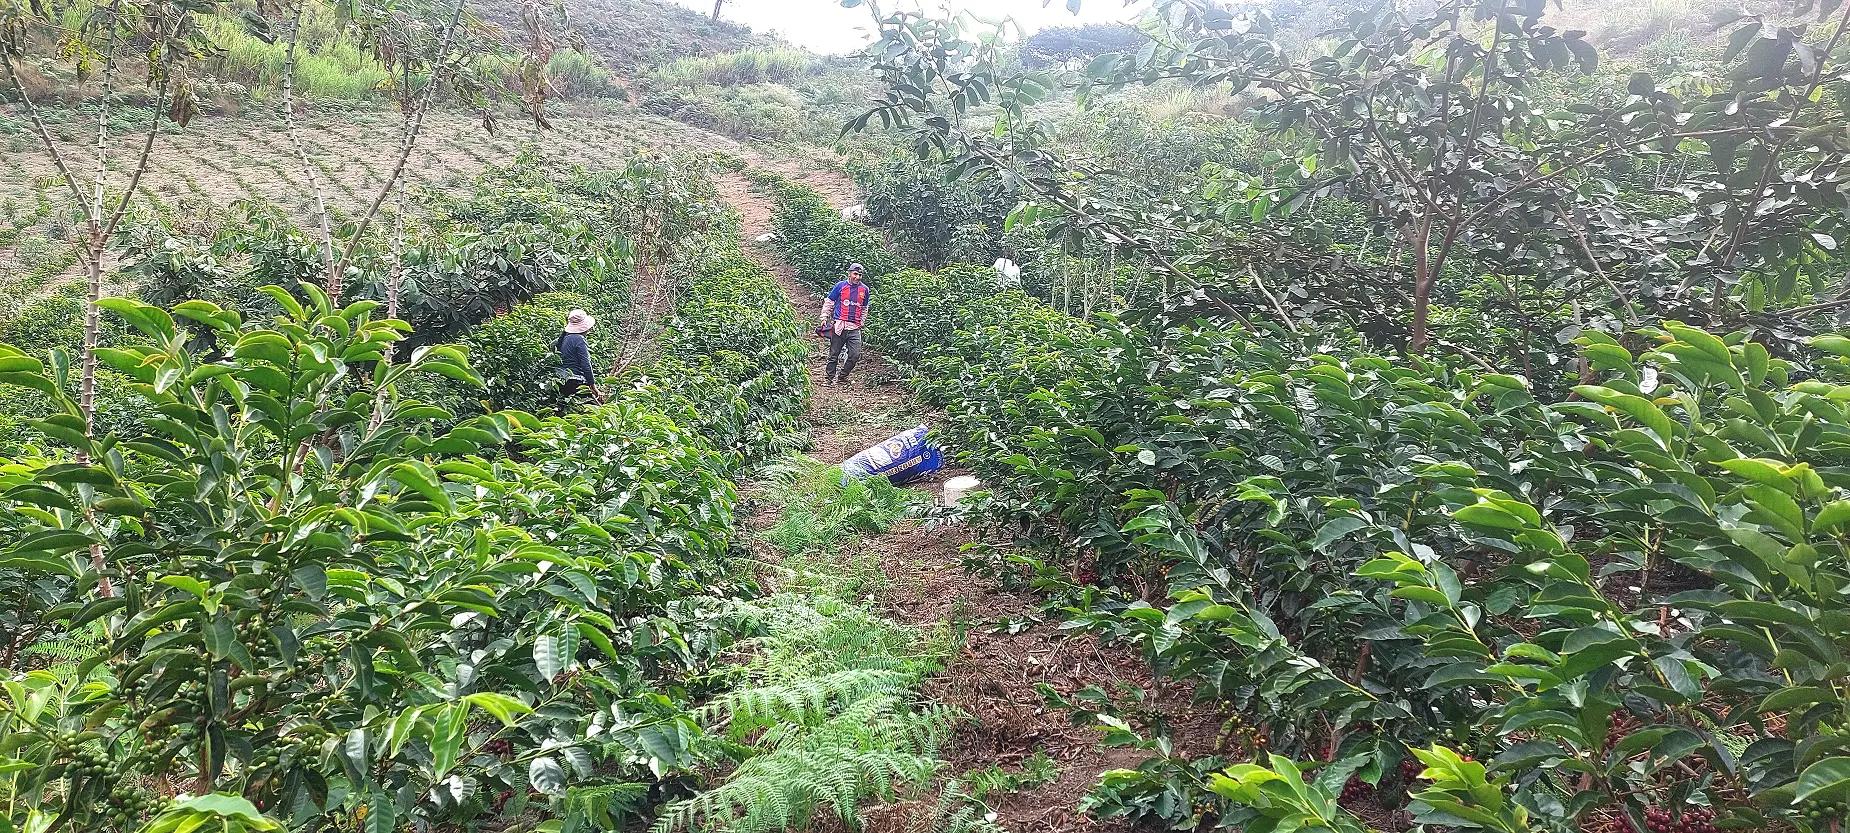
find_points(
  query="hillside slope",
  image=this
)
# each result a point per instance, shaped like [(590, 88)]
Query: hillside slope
[(217, 161), (630, 35)]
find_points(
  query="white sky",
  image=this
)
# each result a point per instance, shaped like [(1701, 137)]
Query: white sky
[(824, 26)]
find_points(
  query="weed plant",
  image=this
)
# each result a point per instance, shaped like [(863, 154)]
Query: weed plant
[(1038, 770), (63, 652), (824, 512)]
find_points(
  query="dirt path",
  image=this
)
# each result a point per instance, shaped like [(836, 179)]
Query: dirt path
[(1008, 652)]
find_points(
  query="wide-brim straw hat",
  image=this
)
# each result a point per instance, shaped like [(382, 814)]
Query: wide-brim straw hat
[(579, 321)]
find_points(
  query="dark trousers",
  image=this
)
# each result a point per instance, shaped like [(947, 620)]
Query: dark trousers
[(571, 392), (846, 341)]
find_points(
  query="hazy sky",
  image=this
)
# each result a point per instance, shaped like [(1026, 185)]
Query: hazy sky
[(824, 26)]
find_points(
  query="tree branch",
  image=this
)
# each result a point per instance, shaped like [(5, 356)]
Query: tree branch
[(142, 162), (1536, 176), (143, 159), (38, 126), (1282, 314), (415, 123), (1842, 300), (1625, 301)]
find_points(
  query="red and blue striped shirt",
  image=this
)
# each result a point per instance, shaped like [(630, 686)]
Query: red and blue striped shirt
[(850, 301)]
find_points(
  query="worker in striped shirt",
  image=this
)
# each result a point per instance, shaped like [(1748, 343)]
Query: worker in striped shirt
[(843, 313)]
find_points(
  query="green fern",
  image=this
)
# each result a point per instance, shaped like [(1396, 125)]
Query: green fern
[(1037, 770), (804, 701), (868, 750), (62, 653), (832, 719), (826, 716), (810, 636), (602, 806)]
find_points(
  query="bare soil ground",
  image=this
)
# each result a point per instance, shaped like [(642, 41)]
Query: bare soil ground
[(1007, 653), (219, 160)]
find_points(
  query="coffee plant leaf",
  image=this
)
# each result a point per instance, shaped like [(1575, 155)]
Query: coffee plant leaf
[(231, 812), (545, 775), (1828, 779)]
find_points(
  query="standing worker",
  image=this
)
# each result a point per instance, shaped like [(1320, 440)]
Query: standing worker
[(575, 360), (843, 313)]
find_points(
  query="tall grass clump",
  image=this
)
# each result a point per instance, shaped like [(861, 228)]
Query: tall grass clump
[(329, 67), (574, 74), (750, 66)]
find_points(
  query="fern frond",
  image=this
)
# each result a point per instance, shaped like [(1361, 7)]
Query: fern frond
[(958, 812), (603, 805), (802, 702), (833, 721), (62, 653)]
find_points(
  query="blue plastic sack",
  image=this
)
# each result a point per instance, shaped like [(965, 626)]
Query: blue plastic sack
[(902, 458)]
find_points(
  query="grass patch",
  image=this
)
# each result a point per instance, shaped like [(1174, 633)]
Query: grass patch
[(329, 67), (731, 69), (823, 513)]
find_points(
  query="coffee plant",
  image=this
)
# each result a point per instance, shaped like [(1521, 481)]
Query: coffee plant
[(1499, 612), (329, 603), (1510, 193), (817, 241)]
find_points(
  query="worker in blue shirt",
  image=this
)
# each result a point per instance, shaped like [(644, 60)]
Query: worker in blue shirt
[(575, 360)]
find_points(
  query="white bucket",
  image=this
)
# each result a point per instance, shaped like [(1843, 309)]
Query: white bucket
[(956, 487)]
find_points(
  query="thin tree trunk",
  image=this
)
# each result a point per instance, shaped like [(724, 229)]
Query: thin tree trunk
[(1428, 265), (407, 141), (89, 252), (392, 280), (1066, 285), (398, 260), (1585, 365), (717, 5), (294, 132), (98, 228), (96, 243), (1422, 287)]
